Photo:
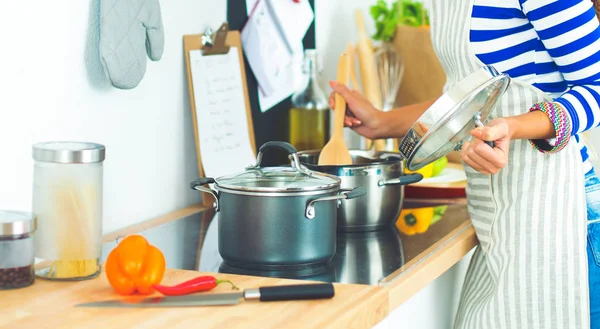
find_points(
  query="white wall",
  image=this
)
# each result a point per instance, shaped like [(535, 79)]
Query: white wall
[(47, 93), (335, 25)]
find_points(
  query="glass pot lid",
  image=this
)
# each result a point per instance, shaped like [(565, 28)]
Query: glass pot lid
[(278, 179), (444, 126)]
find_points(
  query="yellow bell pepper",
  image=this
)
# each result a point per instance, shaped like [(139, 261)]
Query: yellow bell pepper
[(426, 171), (412, 221), (431, 170)]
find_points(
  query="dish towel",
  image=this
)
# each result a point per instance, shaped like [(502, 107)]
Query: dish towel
[(129, 29)]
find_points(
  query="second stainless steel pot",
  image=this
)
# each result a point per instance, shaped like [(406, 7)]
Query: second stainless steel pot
[(381, 174), (275, 217)]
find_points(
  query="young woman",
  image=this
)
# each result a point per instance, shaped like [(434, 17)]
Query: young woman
[(570, 33), (530, 270)]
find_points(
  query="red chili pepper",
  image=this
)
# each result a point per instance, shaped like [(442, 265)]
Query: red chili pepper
[(201, 283)]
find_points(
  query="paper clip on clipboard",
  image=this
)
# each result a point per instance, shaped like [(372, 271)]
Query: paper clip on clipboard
[(214, 43)]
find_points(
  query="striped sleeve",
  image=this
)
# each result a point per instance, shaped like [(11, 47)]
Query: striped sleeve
[(570, 32)]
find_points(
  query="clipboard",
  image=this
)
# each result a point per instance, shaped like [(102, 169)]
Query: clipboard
[(214, 44)]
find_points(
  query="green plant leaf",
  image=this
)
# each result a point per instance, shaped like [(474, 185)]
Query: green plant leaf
[(387, 18)]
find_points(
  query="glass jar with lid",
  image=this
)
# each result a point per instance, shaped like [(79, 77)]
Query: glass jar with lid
[(16, 249), (310, 115), (67, 200)]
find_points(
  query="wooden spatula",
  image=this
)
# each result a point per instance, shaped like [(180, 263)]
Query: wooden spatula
[(336, 152)]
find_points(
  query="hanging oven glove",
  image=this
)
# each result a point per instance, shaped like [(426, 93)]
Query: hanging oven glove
[(129, 29)]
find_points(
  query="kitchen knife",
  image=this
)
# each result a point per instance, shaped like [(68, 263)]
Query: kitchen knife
[(263, 294)]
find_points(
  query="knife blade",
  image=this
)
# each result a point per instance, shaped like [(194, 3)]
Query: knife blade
[(263, 294)]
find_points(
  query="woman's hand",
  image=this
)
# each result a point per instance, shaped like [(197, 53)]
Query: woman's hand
[(363, 117), (482, 157)]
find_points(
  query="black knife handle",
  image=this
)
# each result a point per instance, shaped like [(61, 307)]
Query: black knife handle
[(296, 292)]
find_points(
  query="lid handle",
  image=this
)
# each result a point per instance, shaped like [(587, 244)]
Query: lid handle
[(479, 124), (282, 145), (273, 144)]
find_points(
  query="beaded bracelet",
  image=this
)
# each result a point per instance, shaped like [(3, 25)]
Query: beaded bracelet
[(562, 125)]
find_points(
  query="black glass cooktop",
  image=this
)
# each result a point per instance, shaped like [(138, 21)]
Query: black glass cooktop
[(191, 243)]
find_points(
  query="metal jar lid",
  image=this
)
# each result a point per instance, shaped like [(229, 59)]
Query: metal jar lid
[(444, 126), (68, 152), (278, 179), (14, 223)]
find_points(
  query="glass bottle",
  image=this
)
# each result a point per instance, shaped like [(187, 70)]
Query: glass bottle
[(310, 115)]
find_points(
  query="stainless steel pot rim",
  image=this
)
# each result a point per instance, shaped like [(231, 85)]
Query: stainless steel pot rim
[(269, 193), (393, 157)]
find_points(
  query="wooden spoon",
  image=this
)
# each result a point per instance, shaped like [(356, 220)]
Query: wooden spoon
[(336, 152), (368, 73)]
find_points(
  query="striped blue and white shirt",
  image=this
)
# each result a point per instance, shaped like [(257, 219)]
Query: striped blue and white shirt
[(552, 45)]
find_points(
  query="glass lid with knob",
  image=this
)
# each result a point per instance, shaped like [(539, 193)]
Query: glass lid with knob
[(295, 178), (449, 121)]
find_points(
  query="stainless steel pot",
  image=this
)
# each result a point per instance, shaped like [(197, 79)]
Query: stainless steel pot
[(381, 174), (273, 217)]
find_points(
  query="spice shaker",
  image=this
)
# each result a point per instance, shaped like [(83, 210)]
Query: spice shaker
[(16, 249), (67, 200)]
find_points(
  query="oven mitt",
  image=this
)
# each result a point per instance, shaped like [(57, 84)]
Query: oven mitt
[(129, 29)]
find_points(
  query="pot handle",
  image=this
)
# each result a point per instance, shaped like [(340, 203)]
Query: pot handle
[(402, 180), (346, 194), (198, 186), (273, 144), (282, 145), (354, 193)]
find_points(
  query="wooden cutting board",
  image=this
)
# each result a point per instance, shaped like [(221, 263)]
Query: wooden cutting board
[(48, 304)]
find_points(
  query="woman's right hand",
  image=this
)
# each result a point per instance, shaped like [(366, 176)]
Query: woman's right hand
[(364, 118)]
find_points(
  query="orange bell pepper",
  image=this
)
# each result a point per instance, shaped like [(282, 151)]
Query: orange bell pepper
[(135, 265)]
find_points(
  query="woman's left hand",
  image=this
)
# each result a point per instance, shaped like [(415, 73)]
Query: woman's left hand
[(483, 158)]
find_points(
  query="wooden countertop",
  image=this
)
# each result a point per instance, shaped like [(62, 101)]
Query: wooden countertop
[(49, 304)]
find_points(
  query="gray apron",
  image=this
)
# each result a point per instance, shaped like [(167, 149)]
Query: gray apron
[(530, 269)]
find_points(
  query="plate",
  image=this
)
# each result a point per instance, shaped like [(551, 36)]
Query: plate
[(450, 183), (451, 174)]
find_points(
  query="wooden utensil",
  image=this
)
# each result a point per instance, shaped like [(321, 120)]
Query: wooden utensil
[(368, 70), (336, 152), (350, 50)]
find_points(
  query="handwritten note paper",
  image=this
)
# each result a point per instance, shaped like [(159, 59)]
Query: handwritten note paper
[(293, 20), (266, 50), (293, 81), (221, 113)]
